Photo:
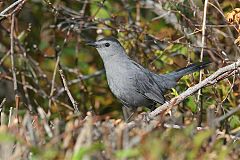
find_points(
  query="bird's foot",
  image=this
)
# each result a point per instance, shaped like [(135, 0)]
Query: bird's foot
[(145, 117)]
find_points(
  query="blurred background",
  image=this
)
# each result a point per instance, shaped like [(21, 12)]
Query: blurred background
[(163, 36)]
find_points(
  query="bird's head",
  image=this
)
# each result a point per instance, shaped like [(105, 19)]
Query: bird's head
[(108, 47)]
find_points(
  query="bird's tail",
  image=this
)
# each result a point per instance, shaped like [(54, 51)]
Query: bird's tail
[(187, 70)]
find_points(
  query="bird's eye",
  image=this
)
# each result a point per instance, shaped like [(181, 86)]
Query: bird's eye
[(107, 44)]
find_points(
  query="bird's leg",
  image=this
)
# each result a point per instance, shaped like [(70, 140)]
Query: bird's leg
[(130, 116), (127, 113), (152, 108), (145, 117)]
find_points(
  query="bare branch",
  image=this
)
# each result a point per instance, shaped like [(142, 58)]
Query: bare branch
[(199, 97), (230, 113), (78, 80), (74, 103), (9, 8), (12, 54), (53, 81), (2, 103)]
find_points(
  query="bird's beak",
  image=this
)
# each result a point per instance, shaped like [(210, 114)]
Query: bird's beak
[(93, 44)]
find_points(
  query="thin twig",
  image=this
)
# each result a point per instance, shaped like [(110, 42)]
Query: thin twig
[(78, 80), (45, 122), (10, 116), (199, 100), (25, 89), (4, 57), (15, 85), (53, 81), (9, 7), (58, 54), (74, 103), (17, 8), (229, 91), (1, 105), (230, 113), (12, 54), (28, 123), (215, 25)]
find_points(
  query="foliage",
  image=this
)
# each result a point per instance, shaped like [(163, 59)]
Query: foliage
[(41, 38)]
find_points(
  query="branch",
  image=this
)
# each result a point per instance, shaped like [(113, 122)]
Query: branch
[(18, 7), (74, 103), (212, 79), (199, 96), (9, 7), (53, 81), (79, 79), (2, 103), (12, 54), (230, 113)]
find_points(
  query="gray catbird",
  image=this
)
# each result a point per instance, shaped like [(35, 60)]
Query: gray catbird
[(131, 83)]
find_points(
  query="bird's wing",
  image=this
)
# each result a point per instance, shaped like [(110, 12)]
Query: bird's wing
[(147, 85), (164, 81)]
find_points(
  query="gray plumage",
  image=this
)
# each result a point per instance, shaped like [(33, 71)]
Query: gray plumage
[(131, 83)]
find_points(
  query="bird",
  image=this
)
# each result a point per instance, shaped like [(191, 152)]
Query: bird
[(132, 84)]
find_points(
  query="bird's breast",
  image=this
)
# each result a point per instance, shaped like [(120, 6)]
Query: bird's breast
[(122, 82), (119, 77)]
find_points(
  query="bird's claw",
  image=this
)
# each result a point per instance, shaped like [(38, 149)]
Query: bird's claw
[(145, 117)]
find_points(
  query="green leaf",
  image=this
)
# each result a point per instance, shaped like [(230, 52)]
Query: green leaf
[(22, 36), (176, 47), (191, 104), (234, 121), (103, 12), (201, 137), (43, 45), (87, 150), (198, 141), (6, 137), (174, 92), (50, 154), (127, 153)]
